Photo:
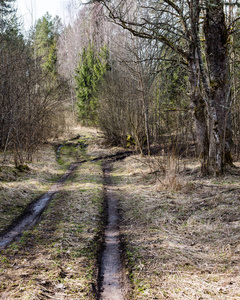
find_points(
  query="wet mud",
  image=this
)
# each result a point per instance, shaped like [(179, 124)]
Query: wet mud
[(33, 212), (112, 281), (112, 286)]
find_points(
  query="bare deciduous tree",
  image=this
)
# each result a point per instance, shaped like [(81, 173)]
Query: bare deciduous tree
[(176, 24)]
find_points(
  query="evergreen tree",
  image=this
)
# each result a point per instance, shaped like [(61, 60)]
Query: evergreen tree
[(6, 12), (45, 35), (89, 74)]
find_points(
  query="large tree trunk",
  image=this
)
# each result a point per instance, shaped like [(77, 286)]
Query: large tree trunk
[(216, 36), (199, 106), (199, 114)]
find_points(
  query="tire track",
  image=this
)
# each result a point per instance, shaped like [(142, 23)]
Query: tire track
[(111, 285), (33, 212), (111, 269)]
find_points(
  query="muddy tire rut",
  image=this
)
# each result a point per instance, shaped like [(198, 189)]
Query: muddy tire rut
[(111, 270), (112, 279), (33, 212)]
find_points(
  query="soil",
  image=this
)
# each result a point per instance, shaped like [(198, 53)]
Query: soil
[(111, 266), (179, 234), (33, 212), (181, 230), (111, 270), (57, 258)]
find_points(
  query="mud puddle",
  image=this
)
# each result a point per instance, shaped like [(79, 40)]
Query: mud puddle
[(33, 212), (112, 286)]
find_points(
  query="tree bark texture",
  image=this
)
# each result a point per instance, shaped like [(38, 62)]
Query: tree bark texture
[(196, 96), (201, 128), (216, 36)]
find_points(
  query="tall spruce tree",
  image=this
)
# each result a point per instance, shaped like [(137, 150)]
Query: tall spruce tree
[(89, 74), (45, 35)]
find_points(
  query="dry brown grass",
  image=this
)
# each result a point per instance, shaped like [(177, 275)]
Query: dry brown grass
[(17, 189), (182, 237), (181, 243), (57, 259)]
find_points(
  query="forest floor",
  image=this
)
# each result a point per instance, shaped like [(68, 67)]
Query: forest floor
[(180, 232)]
